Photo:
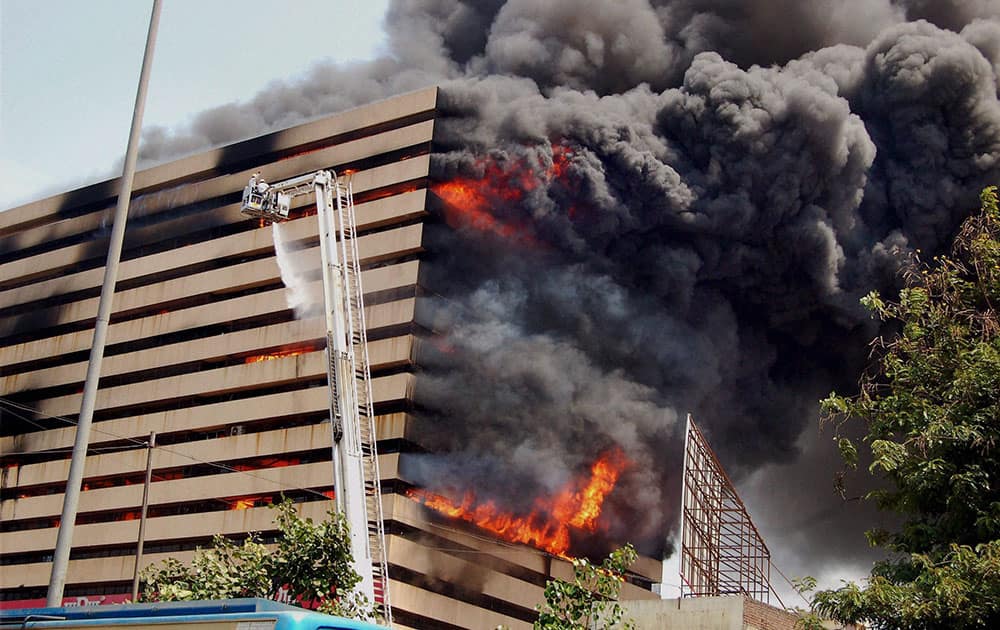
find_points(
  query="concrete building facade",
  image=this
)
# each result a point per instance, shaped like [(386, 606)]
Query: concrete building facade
[(204, 350)]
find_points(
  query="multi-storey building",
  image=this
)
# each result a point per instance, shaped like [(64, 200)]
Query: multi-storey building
[(204, 350)]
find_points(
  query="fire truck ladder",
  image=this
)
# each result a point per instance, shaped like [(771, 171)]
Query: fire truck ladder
[(356, 473), (362, 384)]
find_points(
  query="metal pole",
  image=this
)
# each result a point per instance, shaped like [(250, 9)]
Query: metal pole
[(684, 482), (142, 517), (71, 500)]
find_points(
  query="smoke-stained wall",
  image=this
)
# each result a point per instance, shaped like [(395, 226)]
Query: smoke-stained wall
[(702, 189)]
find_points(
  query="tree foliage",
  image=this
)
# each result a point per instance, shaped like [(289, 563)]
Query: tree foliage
[(591, 596), (310, 563), (931, 413)]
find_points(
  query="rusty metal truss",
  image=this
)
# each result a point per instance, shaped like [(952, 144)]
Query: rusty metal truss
[(722, 553)]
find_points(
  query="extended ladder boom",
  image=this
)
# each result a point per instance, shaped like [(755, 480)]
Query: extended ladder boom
[(356, 474)]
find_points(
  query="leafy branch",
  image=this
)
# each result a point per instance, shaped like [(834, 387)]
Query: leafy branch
[(591, 596)]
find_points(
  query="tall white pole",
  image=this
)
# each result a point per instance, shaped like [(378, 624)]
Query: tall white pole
[(71, 500)]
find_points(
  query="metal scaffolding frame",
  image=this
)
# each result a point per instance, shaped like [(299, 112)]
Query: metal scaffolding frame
[(722, 553)]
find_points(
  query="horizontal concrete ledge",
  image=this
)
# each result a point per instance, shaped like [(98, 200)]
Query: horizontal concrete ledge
[(445, 609)]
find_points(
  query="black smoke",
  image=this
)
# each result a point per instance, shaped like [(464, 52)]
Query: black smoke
[(736, 175)]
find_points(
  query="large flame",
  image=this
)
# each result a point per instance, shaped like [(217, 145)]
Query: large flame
[(582, 508), (577, 506), (471, 203)]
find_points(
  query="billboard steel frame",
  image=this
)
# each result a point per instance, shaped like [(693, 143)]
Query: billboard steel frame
[(722, 553)]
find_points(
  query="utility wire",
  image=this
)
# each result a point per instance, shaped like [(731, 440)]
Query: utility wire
[(67, 421), (26, 419), (797, 591)]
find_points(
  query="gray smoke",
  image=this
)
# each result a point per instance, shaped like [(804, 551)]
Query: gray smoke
[(731, 177)]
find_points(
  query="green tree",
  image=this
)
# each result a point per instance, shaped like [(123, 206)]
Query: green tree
[(310, 562), (592, 596), (931, 413)]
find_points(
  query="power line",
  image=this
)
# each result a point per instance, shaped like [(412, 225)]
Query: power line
[(794, 588), (67, 421), (24, 418)]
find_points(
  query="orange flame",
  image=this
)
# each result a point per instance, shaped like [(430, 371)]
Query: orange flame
[(469, 202), (547, 527), (583, 508), (467, 205), (277, 354)]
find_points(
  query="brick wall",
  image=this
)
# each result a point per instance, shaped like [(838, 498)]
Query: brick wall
[(760, 616)]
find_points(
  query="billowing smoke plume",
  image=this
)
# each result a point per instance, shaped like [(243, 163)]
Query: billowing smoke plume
[(685, 200)]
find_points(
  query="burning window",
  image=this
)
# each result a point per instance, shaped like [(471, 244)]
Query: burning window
[(283, 352)]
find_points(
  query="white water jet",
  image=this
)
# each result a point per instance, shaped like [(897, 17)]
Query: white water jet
[(295, 278)]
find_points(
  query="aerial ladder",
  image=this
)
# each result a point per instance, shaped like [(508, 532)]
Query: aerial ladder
[(355, 460)]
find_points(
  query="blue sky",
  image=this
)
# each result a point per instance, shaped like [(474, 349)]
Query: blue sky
[(69, 71)]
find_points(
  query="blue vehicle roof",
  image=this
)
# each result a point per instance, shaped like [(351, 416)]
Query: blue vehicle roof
[(288, 617)]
